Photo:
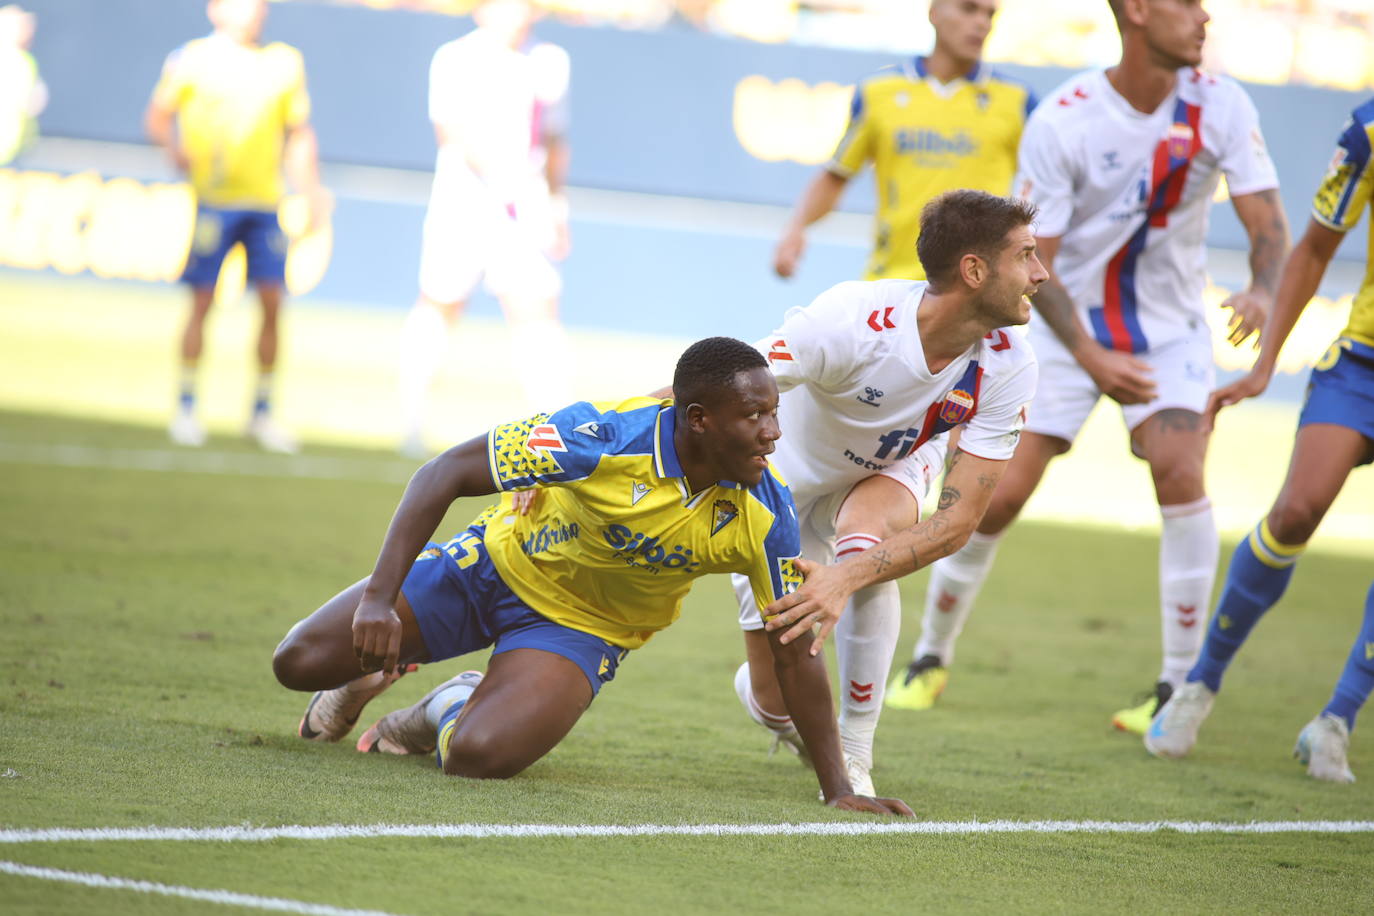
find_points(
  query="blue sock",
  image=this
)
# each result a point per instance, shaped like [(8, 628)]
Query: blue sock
[(447, 722), (1358, 677), (1259, 573), (186, 387)]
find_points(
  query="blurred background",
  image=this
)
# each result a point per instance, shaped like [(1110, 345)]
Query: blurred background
[(694, 126)]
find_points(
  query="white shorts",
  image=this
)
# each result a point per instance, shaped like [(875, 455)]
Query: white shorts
[(915, 472), (1184, 376), (470, 234)]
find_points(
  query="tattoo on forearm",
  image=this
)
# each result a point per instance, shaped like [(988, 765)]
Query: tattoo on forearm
[(1268, 243), (948, 497), (881, 561)]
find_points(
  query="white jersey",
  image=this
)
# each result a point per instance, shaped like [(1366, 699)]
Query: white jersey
[(1128, 196), (497, 105), (858, 395)]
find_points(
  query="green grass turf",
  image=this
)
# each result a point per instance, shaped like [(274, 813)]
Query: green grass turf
[(139, 611)]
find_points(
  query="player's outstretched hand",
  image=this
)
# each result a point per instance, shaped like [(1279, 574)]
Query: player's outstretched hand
[(1251, 385), (376, 636), (886, 806), (788, 254), (1249, 311), (1123, 377), (523, 501), (820, 600)]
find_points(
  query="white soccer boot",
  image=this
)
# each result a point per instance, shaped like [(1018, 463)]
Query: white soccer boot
[(1322, 746), (409, 731), (331, 714), (270, 437), (1173, 731), (186, 430), (859, 779)]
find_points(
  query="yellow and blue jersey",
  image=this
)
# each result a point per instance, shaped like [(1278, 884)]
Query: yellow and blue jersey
[(234, 107), (616, 538), (925, 137), (1345, 192)]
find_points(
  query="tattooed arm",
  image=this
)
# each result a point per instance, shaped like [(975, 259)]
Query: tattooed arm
[(968, 487), (1262, 215)]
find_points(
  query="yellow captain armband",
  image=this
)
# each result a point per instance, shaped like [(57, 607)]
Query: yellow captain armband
[(1333, 353)]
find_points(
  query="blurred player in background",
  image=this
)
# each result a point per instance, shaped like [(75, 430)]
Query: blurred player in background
[(639, 499), (870, 373), (1122, 164), (1335, 435), (233, 114), (22, 92), (498, 101), (928, 125)]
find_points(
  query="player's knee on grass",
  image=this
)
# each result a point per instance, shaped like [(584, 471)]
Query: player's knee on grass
[(299, 664), (479, 753)]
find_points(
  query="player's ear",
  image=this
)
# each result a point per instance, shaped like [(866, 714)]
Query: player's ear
[(973, 270), (696, 414)]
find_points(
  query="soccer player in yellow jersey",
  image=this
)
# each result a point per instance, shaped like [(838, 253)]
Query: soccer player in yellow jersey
[(234, 114), (639, 499), (929, 125), (1335, 435)]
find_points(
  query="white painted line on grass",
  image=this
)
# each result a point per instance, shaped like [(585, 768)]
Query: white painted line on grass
[(204, 461), (278, 904), (248, 834)]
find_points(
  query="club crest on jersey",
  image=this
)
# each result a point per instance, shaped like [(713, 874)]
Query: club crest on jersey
[(958, 404), (638, 491), (1179, 140), (724, 513), (545, 438)]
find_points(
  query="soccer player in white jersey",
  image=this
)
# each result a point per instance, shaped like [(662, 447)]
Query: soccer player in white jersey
[(1122, 165), (498, 101), (870, 373)]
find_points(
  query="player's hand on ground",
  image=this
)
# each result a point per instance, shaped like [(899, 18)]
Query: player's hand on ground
[(1122, 377), (1249, 311), (1251, 385), (788, 254), (819, 601), (886, 806), (376, 636)]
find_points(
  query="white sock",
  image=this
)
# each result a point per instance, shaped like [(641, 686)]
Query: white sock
[(778, 725), (954, 585), (1188, 551), (865, 640), (444, 700), (540, 348), (424, 340)]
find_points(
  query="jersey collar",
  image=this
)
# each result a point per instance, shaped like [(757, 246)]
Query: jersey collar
[(666, 463), (916, 69)]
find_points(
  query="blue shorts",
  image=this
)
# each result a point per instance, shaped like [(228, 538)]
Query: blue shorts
[(1343, 392), (462, 605), (218, 230)]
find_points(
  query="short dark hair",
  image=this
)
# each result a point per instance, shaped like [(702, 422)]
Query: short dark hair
[(708, 367), (966, 222)]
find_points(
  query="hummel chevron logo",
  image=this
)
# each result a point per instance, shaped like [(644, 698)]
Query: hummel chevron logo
[(873, 319), (861, 693), (1187, 615)]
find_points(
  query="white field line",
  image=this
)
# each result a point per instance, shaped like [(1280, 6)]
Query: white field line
[(277, 904), (248, 834), (201, 461)]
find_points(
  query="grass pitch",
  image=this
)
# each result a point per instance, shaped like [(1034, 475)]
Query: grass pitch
[(143, 588), (141, 609)]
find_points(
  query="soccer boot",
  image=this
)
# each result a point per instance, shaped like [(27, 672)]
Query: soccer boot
[(408, 730), (270, 437), (1173, 731), (859, 779), (331, 714), (919, 685), (793, 743), (1136, 719), (1322, 746), (186, 430)]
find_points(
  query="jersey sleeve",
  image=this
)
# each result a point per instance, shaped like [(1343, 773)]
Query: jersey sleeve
[(856, 146), (1045, 177), (1349, 180), (995, 429), (773, 568), (1245, 160), (297, 100), (815, 344), (542, 451)]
